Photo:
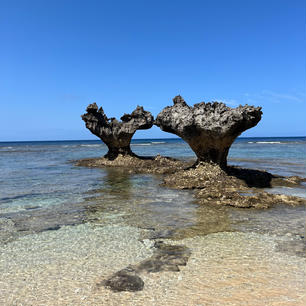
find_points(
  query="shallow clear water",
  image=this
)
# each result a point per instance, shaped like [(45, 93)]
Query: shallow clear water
[(39, 181)]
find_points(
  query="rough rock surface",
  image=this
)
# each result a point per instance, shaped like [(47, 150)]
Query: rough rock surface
[(131, 164), (117, 135), (215, 186), (209, 128)]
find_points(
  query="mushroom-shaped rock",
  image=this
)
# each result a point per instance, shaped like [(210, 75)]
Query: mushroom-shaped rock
[(117, 135), (209, 128)]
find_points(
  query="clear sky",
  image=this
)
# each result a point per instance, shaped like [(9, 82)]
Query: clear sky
[(57, 56)]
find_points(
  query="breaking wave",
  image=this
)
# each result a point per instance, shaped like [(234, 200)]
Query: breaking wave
[(91, 145), (141, 144), (266, 142)]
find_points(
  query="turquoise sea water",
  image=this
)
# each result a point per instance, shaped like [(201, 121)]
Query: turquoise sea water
[(39, 182), (40, 173)]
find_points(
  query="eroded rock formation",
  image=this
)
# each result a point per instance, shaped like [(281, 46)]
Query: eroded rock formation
[(209, 128), (117, 135)]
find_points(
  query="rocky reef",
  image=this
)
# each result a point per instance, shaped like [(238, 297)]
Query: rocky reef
[(208, 128), (117, 135), (237, 187), (140, 164)]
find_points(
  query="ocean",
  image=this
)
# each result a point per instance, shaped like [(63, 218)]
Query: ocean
[(63, 228), (40, 173)]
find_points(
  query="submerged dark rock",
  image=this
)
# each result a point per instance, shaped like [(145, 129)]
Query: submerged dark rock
[(209, 128), (165, 258), (295, 247), (117, 135), (124, 280)]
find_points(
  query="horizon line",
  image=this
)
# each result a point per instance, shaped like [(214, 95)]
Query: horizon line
[(165, 138)]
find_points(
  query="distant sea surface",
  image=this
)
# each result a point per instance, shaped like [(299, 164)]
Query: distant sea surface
[(41, 174)]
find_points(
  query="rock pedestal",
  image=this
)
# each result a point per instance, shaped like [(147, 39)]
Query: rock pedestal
[(209, 128), (117, 135)]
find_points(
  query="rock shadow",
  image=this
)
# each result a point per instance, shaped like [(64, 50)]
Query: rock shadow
[(252, 177), (263, 179)]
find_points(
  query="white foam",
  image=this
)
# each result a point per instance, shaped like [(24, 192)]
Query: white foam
[(92, 145), (140, 144), (270, 142)]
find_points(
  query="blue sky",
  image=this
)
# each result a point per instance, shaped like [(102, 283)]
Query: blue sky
[(56, 57)]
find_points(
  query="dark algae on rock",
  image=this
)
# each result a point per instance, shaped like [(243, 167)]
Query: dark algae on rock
[(117, 135), (209, 128)]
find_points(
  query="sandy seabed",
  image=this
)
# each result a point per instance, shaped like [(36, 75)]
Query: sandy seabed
[(63, 267)]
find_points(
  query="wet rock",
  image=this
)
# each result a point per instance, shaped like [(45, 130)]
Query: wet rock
[(117, 135), (7, 230), (21, 223), (209, 128), (53, 228), (160, 234), (124, 280), (252, 177), (291, 181), (296, 247), (131, 164), (166, 258), (215, 186), (157, 265)]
